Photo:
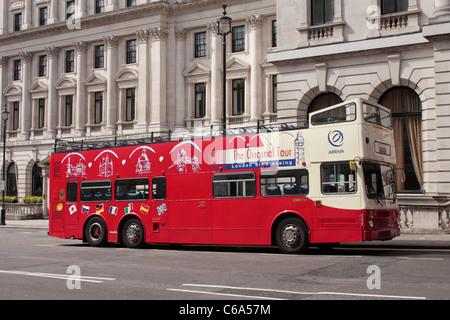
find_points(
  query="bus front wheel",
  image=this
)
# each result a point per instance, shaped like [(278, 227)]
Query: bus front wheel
[(292, 235)]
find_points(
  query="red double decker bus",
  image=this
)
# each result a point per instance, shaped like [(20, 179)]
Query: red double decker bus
[(329, 182)]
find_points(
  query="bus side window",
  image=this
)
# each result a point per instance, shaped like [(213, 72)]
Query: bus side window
[(159, 187), (284, 183), (131, 189), (338, 178), (72, 192), (231, 185), (95, 191)]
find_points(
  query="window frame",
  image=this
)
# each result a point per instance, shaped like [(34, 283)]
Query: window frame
[(128, 183), (301, 173), (92, 186), (237, 188), (323, 183)]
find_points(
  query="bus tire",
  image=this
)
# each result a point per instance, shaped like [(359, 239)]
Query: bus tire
[(292, 236), (133, 235), (95, 232)]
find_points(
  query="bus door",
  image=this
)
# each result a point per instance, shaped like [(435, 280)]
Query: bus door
[(235, 214)]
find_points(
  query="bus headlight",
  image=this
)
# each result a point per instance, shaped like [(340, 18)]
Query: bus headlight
[(370, 224)]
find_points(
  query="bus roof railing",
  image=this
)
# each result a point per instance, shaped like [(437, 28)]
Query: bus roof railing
[(75, 144)]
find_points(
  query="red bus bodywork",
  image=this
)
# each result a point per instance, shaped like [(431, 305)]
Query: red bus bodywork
[(197, 206)]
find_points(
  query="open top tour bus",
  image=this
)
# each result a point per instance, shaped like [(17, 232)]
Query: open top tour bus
[(329, 182)]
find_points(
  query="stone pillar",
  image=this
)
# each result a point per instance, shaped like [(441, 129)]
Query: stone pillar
[(4, 14), (3, 68), (80, 121), (111, 5), (111, 87), (158, 82), (52, 104), (255, 22), (180, 83), (216, 75), (142, 109), (53, 12), (27, 19), (442, 11), (25, 110)]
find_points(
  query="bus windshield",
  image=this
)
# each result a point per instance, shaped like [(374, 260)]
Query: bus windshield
[(379, 181)]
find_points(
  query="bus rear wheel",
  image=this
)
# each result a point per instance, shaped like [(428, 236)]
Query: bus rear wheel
[(292, 236), (95, 232), (133, 235)]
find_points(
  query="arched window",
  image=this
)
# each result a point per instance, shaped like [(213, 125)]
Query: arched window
[(324, 100), (406, 110), (11, 180), (36, 180)]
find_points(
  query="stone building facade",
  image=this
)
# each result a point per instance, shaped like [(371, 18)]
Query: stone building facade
[(78, 69)]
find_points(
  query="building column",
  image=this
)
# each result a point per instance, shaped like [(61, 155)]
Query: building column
[(3, 67), (27, 19), (442, 10), (216, 75), (111, 5), (25, 110), (52, 105), (80, 121), (255, 22), (4, 14), (158, 82), (180, 83), (143, 81), (111, 87), (53, 12)]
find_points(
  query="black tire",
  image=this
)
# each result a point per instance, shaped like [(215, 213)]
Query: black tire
[(133, 235), (292, 236), (95, 232)]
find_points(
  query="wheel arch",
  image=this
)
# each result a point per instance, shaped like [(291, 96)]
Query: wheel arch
[(285, 215)]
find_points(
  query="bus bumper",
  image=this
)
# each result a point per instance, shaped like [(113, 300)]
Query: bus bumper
[(382, 234)]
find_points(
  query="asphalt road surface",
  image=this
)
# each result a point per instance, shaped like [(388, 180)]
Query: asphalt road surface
[(36, 266)]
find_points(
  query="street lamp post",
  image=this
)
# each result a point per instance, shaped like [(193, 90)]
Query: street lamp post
[(223, 29), (5, 115)]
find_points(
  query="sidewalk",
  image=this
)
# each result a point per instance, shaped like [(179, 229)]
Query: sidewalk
[(405, 240)]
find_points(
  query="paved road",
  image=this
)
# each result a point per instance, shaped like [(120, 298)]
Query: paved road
[(36, 266)]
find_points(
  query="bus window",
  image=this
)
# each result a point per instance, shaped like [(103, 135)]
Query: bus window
[(159, 186), (131, 189), (284, 183), (345, 113), (230, 185), (377, 115), (72, 192), (379, 181), (95, 191), (338, 178)]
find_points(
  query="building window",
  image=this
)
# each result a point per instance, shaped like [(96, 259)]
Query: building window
[(68, 111), (18, 21), (70, 61), (238, 39), (70, 9), (41, 114), (131, 3), (130, 104), (322, 11), (200, 100), (324, 100), (98, 107), (11, 180), (99, 53), (238, 97), (131, 51), (274, 33), (406, 109), (42, 72), (36, 181), (274, 94), (393, 6), (43, 12), (15, 116), (17, 69), (99, 6), (200, 44)]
